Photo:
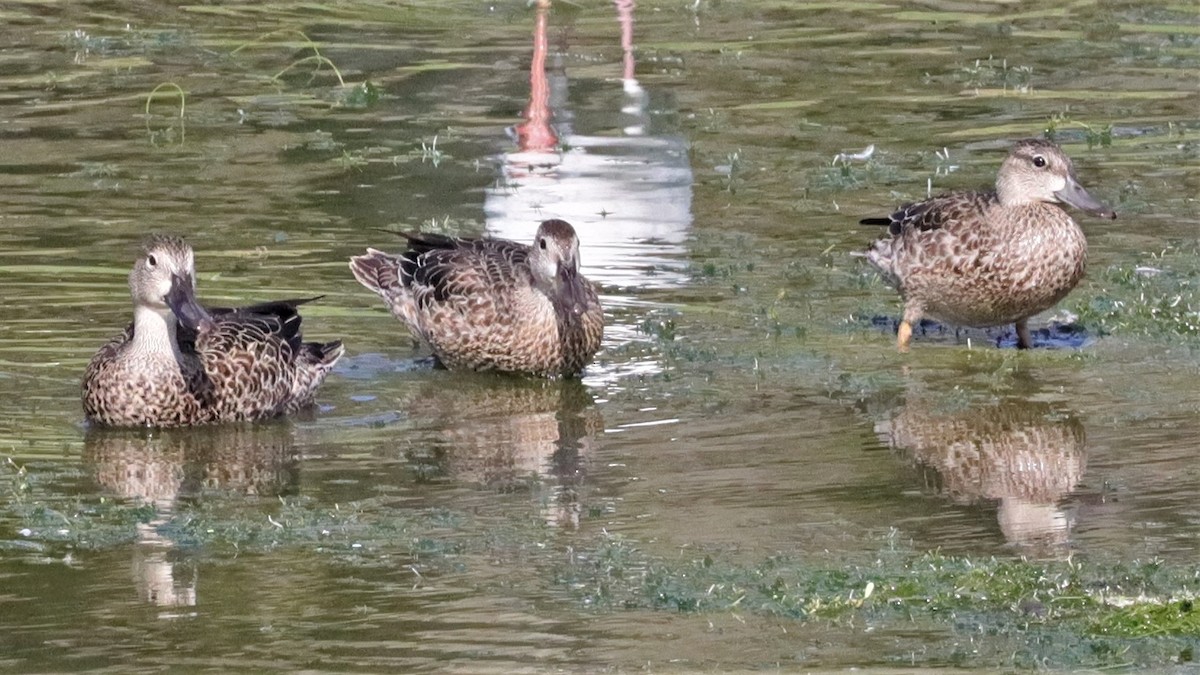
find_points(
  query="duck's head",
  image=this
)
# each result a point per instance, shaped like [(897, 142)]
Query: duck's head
[(164, 279), (1039, 171), (554, 261)]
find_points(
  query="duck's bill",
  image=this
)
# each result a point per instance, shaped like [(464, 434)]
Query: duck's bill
[(1074, 194), (182, 301), (574, 297)]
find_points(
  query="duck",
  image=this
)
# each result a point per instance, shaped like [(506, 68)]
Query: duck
[(180, 363), (1024, 456), (492, 305), (991, 257)]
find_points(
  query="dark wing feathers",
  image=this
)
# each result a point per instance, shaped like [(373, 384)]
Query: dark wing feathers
[(934, 213), (437, 267), (278, 307), (424, 242), (230, 328), (321, 352)]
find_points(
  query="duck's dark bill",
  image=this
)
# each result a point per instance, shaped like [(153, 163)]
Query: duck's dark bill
[(182, 301), (571, 290)]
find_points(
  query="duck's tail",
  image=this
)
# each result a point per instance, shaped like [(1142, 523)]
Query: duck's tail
[(315, 361), (882, 222), (378, 271)]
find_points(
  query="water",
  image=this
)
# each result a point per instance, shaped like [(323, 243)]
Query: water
[(745, 402)]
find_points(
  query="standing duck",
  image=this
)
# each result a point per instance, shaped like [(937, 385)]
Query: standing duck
[(492, 304), (181, 364), (992, 257)]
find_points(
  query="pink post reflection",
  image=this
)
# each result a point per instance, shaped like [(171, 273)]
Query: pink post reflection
[(597, 156), (535, 134)]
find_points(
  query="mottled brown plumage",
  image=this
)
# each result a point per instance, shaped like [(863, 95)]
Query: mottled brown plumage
[(180, 364), (508, 434), (990, 258), (493, 304), (1027, 456), (160, 466)]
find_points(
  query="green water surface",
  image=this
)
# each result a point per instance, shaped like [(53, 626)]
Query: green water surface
[(747, 453)]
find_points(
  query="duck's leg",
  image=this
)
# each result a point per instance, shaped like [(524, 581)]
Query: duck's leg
[(903, 335), (912, 314), (1023, 339)]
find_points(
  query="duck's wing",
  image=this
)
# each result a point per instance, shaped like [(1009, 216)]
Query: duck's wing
[(232, 329), (440, 269), (107, 353), (936, 213)]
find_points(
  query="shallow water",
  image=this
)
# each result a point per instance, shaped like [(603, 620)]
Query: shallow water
[(746, 402)]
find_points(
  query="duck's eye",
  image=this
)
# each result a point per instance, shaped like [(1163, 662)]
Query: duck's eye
[(1039, 161), (151, 260), (542, 244)]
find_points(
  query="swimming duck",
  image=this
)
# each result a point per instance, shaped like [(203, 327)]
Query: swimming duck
[(492, 304), (180, 363)]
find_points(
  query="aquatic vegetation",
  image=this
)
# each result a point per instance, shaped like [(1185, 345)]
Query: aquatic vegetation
[(170, 133), (1158, 298), (351, 160), (365, 528), (317, 58), (731, 170), (361, 95), (17, 478), (36, 518), (131, 41), (840, 176), (431, 153), (1093, 605), (348, 95), (167, 90), (662, 329), (450, 228), (1101, 137), (992, 72)]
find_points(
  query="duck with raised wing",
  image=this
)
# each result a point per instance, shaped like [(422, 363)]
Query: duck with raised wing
[(992, 257), (181, 364), (492, 304)]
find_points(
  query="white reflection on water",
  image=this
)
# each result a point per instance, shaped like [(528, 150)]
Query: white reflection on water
[(628, 194)]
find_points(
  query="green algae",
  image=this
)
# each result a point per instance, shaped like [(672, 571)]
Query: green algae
[(1051, 612), (1156, 298)]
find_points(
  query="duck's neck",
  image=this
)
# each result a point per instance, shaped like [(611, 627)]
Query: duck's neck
[(154, 333)]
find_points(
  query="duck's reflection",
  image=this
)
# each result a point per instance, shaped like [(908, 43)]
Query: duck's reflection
[(1027, 456), (509, 434), (625, 183), (161, 467)]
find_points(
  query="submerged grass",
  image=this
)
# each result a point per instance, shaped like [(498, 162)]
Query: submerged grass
[(1032, 612), (1157, 298), (361, 529), (39, 519), (1096, 613)]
